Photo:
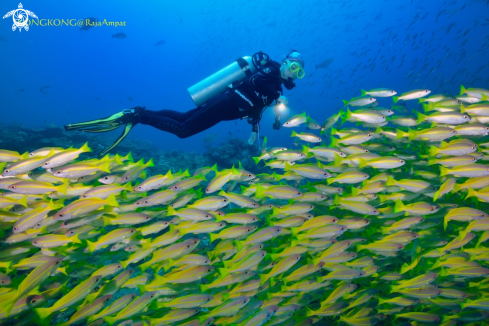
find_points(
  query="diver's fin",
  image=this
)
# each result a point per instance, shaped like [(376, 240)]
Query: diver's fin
[(126, 130), (111, 120)]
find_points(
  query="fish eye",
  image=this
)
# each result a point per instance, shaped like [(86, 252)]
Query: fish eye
[(7, 171), (16, 228)]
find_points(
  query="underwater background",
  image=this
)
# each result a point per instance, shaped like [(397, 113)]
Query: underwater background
[(347, 46)]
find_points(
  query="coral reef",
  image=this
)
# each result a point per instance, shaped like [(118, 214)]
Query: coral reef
[(225, 154)]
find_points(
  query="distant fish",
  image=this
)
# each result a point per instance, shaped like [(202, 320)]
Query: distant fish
[(324, 64), (119, 35), (130, 98), (3, 39), (87, 22), (160, 42)]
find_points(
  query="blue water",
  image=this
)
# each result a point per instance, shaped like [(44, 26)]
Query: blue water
[(402, 45)]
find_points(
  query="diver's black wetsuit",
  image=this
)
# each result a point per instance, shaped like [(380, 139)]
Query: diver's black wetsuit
[(246, 99)]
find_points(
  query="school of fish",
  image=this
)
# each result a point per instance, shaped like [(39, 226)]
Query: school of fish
[(386, 225)]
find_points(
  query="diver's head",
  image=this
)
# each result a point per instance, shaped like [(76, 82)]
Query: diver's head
[(292, 68)]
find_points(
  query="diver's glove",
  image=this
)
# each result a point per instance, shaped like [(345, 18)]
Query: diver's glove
[(253, 137)]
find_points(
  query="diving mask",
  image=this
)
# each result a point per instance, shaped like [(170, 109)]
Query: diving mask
[(296, 69)]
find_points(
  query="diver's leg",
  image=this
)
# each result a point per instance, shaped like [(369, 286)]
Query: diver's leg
[(175, 115), (219, 108), (108, 123)]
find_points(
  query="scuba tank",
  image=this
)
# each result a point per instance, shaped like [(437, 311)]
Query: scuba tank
[(219, 82)]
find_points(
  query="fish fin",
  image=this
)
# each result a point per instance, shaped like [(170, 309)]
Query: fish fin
[(345, 102), (150, 163)]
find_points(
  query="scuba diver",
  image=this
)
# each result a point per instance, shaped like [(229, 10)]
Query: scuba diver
[(244, 89)]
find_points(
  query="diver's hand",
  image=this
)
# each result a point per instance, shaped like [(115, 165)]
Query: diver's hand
[(283, 100), (277, 125), (253, 137)]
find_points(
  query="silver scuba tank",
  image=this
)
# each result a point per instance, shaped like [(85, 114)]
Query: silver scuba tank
[(218, 82)]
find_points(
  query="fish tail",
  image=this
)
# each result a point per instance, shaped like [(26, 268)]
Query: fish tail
[(361, 163), (203, 287), (310, 312), (382, 198), (364, 93), (91, 246), (443, 171), (338, 160), (112, 201), (334, 142), (330, 180), (305, 149), (395, 99), (256, 159), (462, 108), (263, 278), (223, 272), (125, 263), (471, 193), (399, 206), (411, 134), (420, 117), (345, 102), (462, 234), (110, 320), (105, 167), (43, 313), (390, 181), (431, 161), (150, 163), (85, 148), (213, 237), (293, 133), (462, 90), (238, 244), (433, 150), (23, 201)]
